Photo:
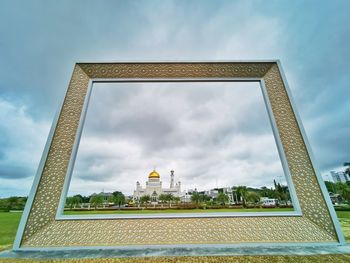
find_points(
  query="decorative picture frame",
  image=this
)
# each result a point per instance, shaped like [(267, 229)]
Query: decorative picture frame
[(313, 222)]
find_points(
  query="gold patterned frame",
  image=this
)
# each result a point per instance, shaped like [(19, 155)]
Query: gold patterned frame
[(40, 228)]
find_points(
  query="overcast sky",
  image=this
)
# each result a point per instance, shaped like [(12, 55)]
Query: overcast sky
[(41, 40), (211, 134)]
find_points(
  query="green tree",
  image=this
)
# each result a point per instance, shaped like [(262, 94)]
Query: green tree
[(22, 202), (96, 200), (169, 198), (12, 203), (177, 200), (222, 198), (162, 198), (86, 199), (3, 205), (118, 198), (253, 197), (110, 199), (145, 199), (264, 191), (205, 198), (242, 191), (196, 198), (344, 190), (81, 198), (273, 194), (73, 201), (331, 187), (77, 200)]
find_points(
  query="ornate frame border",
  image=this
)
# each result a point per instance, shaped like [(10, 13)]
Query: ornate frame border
[(41, 229)]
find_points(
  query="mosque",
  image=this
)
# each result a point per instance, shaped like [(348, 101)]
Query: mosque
[(154, 188)]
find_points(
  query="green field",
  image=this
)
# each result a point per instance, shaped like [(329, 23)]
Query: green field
[(8, 227), (171, 211), (344, 219), (9, 222)]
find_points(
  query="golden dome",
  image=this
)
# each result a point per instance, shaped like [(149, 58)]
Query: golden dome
[(154, 174)]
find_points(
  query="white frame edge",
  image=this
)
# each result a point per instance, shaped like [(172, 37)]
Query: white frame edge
[(320, 181)]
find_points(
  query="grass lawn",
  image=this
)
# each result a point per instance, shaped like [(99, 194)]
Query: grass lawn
[(344, 219), (8, 227), (9, 222), (170, 211)]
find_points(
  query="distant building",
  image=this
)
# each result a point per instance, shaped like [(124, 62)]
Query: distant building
[(186, 198), (212, 194), (335, 198), (154, 188), (268, 202), (339, 177), (231, 194)]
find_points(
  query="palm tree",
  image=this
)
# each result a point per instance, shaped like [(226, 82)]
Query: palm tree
[(162, 198), (169, 198), (253, 197), (196, 198), (96, 200), (177, 200), (145, 199), (118, 198), (264, 191), (242, 191), (223, 198)]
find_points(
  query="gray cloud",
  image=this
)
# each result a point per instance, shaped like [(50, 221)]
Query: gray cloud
[(14, 172), (217, 137), (41, 42), (21, 146)]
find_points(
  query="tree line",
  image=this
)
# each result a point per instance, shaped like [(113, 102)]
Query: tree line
[(95, 200), (13, 203), (242, 195), (343, 189)]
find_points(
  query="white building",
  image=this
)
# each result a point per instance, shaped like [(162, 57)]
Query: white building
[(339, 177), (212, 194), (268, 202), (154, 188), (230, 193)]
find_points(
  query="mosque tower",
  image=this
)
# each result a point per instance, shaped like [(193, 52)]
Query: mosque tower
[(172, 179)]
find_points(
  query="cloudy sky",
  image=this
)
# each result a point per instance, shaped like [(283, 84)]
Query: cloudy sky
[(212, 134), (41, 40)]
